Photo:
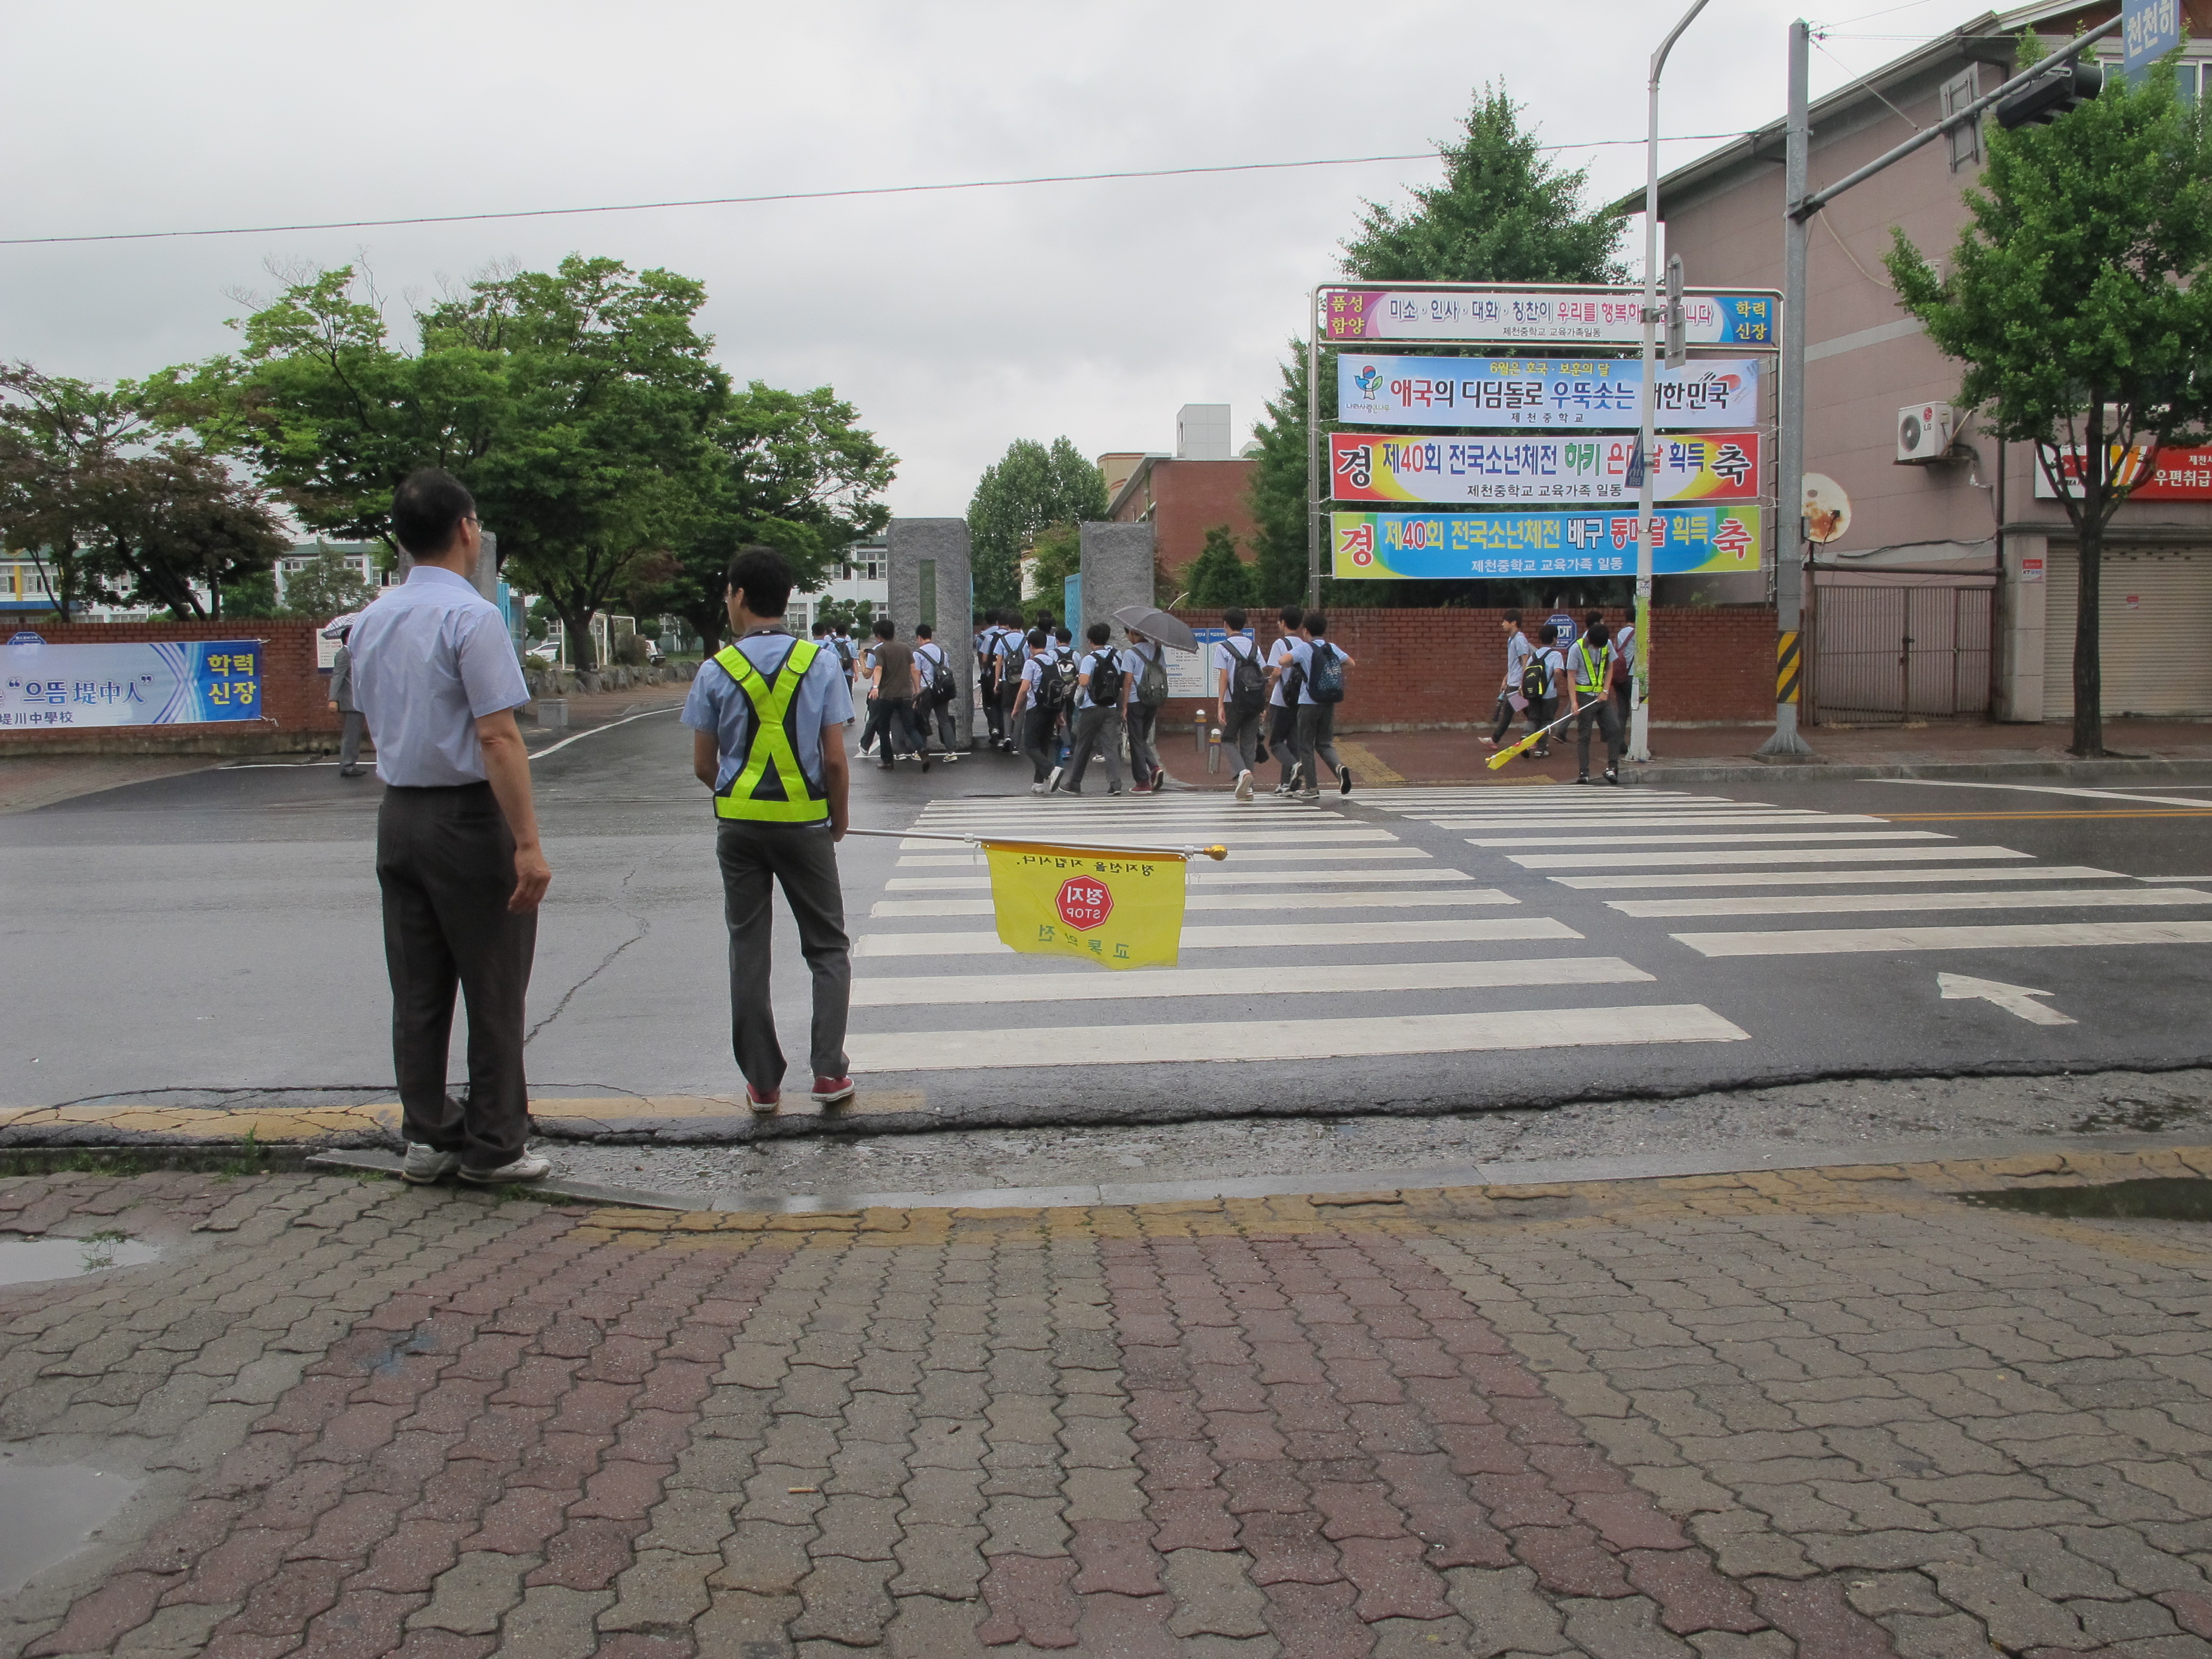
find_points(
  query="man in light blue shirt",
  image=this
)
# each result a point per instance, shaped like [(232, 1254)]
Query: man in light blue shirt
[(766, 715), (1101, 696), (457, 858)]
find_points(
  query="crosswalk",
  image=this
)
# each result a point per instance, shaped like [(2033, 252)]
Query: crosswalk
[(1323, 936), (1645, 841)]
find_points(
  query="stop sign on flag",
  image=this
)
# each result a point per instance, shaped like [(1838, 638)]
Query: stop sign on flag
[(1114, 906), (1084, 903)]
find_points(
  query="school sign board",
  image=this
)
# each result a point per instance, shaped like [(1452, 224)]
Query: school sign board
[(1503, 316), (140, 683), (1454, 546), (1364, 466), (1493, 394)]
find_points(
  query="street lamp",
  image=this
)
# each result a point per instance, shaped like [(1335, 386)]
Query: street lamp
[(1639, 719)]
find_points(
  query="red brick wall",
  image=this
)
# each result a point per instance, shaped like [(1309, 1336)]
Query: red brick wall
[(295, 695), (1187, 499), (1441, 668)]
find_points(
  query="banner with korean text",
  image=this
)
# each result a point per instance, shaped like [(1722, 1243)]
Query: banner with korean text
[(1489, 393), (137, 683), (1119, 909), (1363, 466), (1480, 317), (1453, 546)]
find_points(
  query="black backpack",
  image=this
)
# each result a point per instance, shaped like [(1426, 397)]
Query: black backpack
[(941, 677), (1055, 684), (1536, 679), (1248, 686), (989, 665), (1106, 679), (1326, 679)]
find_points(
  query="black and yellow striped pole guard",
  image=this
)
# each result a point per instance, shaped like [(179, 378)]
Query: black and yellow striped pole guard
[(1788, 666)]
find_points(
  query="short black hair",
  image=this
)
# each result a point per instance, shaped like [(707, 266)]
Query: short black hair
[(1098, 633), (821, 628), (1233, 619), (763, 576), (1044, 619), (1513, 616), (1597, 633), (427, 510), (924, 631), (1063, 635), (1548, 633), (1594, 619), (1035, 639), (1293, 614), (883, 630), (1315, 622)]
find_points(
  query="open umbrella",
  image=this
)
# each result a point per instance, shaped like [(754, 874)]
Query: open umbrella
[(338, 627), (1157, 624)]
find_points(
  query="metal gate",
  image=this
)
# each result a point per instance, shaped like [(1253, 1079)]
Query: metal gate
[(1899, 652)]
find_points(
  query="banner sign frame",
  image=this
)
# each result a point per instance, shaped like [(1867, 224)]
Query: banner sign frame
[(1521, 468), (1491, 394), (129, 683), (1507, 315), (1457, 546)]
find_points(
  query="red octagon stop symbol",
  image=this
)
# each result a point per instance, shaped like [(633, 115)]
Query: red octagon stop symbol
[(1084, 903)]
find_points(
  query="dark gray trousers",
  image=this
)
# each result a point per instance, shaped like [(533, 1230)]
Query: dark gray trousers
[(349, 740), (1282, 738), (1317, 739), (1599, 712), (1240, 734), (1037, 741), (803, 859), (1099, 729), (445, 862)]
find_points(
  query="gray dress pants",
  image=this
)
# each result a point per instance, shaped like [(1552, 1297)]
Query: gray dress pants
[(803, 859), (1099, 729), (349, 740), (444, 862), (1144, 743), (1240, 734), (1317, 739)]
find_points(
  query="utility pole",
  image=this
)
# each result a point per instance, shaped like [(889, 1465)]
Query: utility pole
[(1789, 461), (1639, 719)]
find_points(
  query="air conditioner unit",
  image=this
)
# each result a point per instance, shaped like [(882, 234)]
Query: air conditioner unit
[(1924, 434)]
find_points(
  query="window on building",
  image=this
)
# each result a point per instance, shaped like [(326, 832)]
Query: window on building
[(1966, 140)]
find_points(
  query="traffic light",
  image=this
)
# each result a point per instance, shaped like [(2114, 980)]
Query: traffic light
[(2051, 94)]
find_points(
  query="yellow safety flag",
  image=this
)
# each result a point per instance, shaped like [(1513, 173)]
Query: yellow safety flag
[(1121, 909)]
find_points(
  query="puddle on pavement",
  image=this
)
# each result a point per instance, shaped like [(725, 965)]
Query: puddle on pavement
[(49, 1512), (2161, 1197), (28, 1260)]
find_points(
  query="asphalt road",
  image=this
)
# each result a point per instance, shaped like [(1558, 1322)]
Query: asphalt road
[(218, 932)]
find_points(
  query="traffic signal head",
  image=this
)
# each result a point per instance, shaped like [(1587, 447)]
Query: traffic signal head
[(2051, 94)]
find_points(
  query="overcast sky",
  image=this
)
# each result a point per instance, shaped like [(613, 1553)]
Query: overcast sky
[(956, 322)]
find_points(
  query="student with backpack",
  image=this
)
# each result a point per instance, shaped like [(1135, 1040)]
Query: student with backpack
[(1063, 651), (1101, 699), (1320, 670), (1623, 653), (1282, 697), (1148, 691), (1003, 659), (893, 683), (1541, 678), (1040, 692), (1589, 700), (1240, 696), (935, 694), (1511, 698)]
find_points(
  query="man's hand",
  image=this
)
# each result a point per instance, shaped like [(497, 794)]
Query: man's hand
[(506, 766), (334, 705), (837, 781), (533, 876)]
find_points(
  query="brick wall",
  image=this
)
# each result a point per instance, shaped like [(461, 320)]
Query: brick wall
[(295, 696), (1186, 499), (1441, 668)]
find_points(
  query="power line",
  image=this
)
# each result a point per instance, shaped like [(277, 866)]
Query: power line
[(792, 195)]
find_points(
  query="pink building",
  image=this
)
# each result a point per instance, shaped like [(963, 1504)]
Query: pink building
[(1952, 589)]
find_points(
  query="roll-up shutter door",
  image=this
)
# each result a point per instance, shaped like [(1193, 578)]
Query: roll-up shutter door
[(2155, 622)]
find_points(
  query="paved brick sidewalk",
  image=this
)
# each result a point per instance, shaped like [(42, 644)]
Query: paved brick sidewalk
[(1826, 1414)]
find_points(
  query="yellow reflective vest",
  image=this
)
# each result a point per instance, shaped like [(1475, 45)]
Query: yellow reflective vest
[(771, 786), (1589, 677)]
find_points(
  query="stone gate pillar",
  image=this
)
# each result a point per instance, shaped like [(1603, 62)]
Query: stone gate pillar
[(930, 582), (1117, 572)]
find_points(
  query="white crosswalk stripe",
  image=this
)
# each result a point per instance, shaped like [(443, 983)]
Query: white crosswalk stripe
[(1832, 878), (1079, 984), (1284, 936), (1794, 904), (1215, 877), (1427, 898), (1697, 840), (1825, 941), (1762, 855)]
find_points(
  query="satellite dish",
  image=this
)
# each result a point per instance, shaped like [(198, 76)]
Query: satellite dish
[(1827, 509)]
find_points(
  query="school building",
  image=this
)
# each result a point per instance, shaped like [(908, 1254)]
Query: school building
[(1184, 495), (1950, 590)]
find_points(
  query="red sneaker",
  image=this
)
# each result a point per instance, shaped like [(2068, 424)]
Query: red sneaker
[(832, 1091), (763, 1100)]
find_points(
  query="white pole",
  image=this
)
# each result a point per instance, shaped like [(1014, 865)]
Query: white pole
[(1639, 719), (1789, 426)]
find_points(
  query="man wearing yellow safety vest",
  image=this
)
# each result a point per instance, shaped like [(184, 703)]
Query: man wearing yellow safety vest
[(766, 715), (1590, 699)]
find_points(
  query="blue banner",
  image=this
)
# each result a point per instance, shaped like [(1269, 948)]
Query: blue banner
[(137, 683), (1492, 393), (1454, 546)]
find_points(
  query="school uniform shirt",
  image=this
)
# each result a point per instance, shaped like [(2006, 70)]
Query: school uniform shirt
[(929, 655), (1279, 654), (1302, 652), (1554, 662), (1518, 650), (716, 704), (1089, 665), (1227, 656), (1033, 677), (431, 658)]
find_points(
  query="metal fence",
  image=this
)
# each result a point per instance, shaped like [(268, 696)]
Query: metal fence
[(1901, 653)]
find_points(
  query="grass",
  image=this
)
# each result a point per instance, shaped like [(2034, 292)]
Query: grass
[(2157, 1198)]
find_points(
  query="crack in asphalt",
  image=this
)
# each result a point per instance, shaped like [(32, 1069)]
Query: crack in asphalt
[(644, 926)]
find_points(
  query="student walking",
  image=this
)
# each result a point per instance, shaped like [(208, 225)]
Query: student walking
[(934, 695), (1148, 691), (998, 675), (1240, 696), (1320, 667), (1623, 652), (1589, 700), (894, 683), (1040, 692), (457, 858), (1101, 696), (767, 716), (341, 700), (1550, 665), (1512, 698), (1282, 697)]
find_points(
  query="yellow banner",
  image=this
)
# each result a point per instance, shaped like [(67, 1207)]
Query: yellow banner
[(1121, 909)]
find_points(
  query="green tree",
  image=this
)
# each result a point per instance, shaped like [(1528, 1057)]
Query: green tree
[(1058, 550), (63, 445), (1030, 487), (1503, 213), (181, 526), (1218, 578), (327, 588), (2079, 297)]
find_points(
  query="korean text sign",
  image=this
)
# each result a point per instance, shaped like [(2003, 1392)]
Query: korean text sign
[(1493, 394), (1513, 467), (1350, 316), (139, 683), (1447, 546), (1118, 909)]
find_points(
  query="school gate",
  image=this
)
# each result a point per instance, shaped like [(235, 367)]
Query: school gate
[(1892, 648)]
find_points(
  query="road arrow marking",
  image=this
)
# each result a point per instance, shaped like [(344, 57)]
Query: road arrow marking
[(2013, 999)]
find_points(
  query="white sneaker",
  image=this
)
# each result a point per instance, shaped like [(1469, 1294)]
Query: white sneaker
[(1039, 788), (1244, 786), (528, 1167), (1052, 782), (425, 1164)]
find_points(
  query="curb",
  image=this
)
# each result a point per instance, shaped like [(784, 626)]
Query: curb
[(1816, 769)]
